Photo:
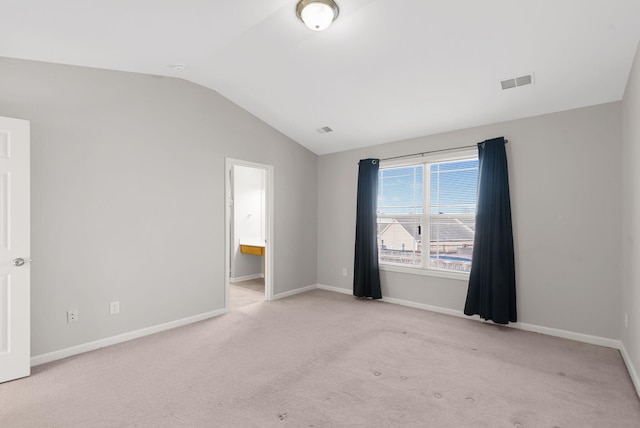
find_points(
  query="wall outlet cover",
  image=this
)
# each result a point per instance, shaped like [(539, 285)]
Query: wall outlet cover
[(626, 320), (72, 315), (114, 307)]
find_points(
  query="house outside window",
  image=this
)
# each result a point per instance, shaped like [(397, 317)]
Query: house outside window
[(426, 213)]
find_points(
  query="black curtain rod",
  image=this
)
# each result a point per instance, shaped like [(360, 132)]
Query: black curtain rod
[(432, 151)]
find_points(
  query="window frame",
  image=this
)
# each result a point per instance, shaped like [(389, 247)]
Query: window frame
[(426, 160)]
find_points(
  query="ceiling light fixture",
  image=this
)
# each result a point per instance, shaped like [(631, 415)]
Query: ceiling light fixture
[(317, 14)]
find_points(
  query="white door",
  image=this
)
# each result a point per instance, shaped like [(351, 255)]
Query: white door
[(15, 332)]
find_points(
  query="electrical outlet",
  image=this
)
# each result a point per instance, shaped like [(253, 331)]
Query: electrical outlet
[(626, 320), (344, 271), (72, 315), (114, 307)]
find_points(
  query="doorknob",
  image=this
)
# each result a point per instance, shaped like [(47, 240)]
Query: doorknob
[(20, 261)]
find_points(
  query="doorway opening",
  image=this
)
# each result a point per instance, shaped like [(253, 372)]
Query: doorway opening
[(249, 233)]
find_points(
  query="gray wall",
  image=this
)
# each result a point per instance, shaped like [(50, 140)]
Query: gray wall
[(565, 187), (631, 215), (128, 197), (128, 204)]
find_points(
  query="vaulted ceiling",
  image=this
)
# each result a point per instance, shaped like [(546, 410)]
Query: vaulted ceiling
[(386, 70)]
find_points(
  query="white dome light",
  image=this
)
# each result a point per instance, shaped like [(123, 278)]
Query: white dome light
[(317, 14)]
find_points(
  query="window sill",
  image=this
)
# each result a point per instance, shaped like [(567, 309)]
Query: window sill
[(460, 276)]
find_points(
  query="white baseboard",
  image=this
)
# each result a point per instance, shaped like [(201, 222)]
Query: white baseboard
[(246, 278), (335, 289), (294, 292), (579, 337), (585, 338), (108, 341), (425, 307), (101, 343), (565, 334), (630, 366)]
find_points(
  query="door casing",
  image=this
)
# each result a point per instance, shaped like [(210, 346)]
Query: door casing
[(269, 222)]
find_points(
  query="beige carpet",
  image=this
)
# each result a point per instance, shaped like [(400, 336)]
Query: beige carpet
[(245, 293), (322, 359)]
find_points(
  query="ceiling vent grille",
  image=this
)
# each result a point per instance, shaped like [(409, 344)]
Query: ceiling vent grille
[(324, 130), (517, 81)]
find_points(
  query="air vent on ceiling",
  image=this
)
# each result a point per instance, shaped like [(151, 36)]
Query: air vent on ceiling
[(517, 81), (177, 67), (324, 130)]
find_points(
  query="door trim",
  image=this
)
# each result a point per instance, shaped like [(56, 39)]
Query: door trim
[(269, 221)]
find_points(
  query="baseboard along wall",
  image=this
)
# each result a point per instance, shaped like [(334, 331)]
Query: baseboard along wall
[(632, 370), (246, 278), (113, 340), (579, 337), (594, 340), (294, 292)]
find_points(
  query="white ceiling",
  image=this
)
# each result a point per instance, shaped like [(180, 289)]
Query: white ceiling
[(386, 70)]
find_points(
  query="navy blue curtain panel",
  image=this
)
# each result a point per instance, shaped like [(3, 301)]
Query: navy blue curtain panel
[(492, 281), (366, 273)]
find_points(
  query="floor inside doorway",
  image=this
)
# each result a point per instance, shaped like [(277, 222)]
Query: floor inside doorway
[(246, 293)]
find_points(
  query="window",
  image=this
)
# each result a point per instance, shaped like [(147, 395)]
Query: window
[(426, 213)]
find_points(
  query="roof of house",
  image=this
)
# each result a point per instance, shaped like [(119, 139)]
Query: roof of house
[(448, 229)]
